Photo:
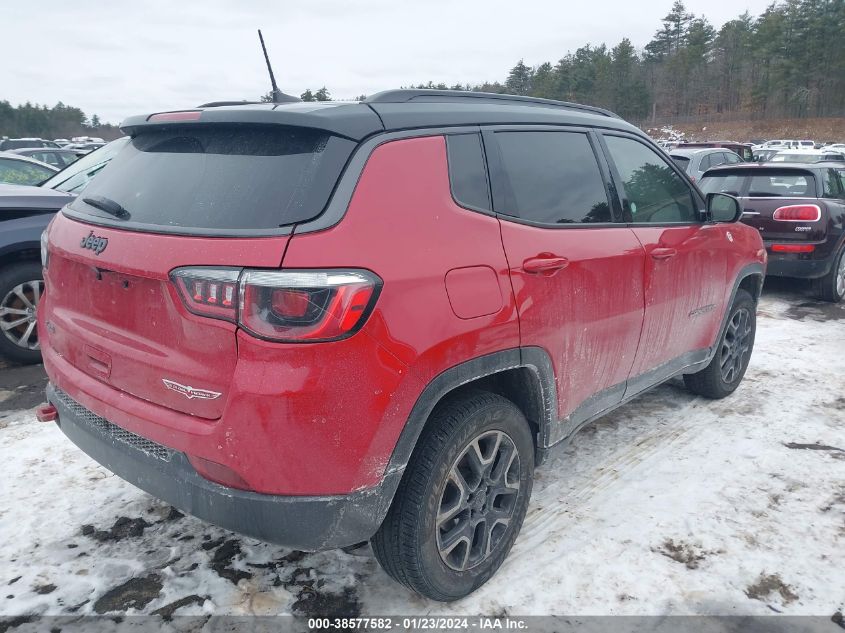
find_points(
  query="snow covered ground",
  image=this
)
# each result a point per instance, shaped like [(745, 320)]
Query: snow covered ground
[(671, 505)]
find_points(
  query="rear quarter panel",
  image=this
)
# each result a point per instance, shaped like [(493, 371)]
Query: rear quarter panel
[(403, 224)]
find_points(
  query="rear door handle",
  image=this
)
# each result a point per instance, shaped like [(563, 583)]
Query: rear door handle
[(544, 264), (664, 253)]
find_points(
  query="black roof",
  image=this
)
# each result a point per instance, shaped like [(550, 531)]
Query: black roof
[(399, 110)]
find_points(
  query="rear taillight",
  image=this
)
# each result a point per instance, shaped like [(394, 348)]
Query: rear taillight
[(290, 305), (209, 292), (793, 248), (798, 213), (306, 305)]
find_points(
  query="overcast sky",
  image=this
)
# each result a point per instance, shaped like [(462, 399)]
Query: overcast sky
[(120, 58)]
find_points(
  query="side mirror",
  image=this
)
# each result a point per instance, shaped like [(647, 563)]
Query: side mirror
[(723, 208)]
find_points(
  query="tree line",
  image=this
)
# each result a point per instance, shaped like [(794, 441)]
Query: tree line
[(787, 62), (60, 121)]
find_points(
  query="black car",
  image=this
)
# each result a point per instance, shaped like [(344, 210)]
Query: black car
[(799, 210), (24, 214)]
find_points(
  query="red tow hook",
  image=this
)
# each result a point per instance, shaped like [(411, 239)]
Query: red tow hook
[(46, 413)]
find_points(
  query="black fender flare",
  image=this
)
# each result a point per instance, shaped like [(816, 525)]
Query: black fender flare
[(534, 359), (749, 270)]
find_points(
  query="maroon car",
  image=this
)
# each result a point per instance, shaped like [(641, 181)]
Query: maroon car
[(799, 210)]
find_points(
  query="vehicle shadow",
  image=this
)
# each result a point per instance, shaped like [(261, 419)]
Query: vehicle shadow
[(803, 302)]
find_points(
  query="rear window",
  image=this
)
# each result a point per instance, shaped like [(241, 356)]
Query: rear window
[(774, 184), (220, 178), (782, 185), (680, 161)]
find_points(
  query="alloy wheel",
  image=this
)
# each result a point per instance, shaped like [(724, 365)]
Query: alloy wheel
[(18, 314), (735, 345), (478, 500), (840, 277)]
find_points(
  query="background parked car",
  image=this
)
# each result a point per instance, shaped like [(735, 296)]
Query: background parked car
[(22, 170), (696, 161), (84, 147), (743, 150), (787, 144), (24, 214), (806, 156), (18, 143), (61, 142), (800, 213), (763, 155), (58, 158)]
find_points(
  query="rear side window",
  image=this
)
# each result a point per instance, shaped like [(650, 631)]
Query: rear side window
[(654, 192), (717, 159), (552, 178), (220, 177), (467, 171), (681, 161)]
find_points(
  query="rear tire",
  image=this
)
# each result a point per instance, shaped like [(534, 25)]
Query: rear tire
[(21, 288), (831, 287), (462, 499), (733, 351)]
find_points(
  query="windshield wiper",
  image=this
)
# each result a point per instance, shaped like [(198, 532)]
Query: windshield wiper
[(108, 205)]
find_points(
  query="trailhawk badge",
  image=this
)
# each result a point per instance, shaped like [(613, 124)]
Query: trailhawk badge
[(189, 392)]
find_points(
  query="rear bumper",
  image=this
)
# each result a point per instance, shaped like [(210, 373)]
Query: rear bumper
[(798, 265), (800, 268), (301, 522)]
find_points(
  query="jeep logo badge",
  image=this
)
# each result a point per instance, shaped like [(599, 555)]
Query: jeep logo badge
[(94, 243)]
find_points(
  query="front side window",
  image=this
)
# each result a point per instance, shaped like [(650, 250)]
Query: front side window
[(732, 158), (654, 192), (552, 178)]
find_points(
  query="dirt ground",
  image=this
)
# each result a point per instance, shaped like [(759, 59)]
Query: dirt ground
[(820, 130)]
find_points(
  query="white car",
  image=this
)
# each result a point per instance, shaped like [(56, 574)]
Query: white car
[(807, 156)]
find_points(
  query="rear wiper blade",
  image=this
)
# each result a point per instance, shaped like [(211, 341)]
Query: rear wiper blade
[(108, 205)]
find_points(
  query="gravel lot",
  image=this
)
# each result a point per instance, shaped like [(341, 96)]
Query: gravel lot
[(671, 505)]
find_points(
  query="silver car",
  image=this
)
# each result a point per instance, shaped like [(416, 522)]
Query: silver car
[(696, 161)]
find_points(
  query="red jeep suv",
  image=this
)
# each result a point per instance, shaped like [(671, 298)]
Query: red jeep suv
[(319, 324)]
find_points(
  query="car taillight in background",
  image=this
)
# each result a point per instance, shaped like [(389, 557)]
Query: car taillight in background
[(793, 248), (798, 213), (285, 305)]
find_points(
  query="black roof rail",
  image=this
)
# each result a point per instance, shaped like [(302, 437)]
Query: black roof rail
[(220, 104), (406, 95)]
